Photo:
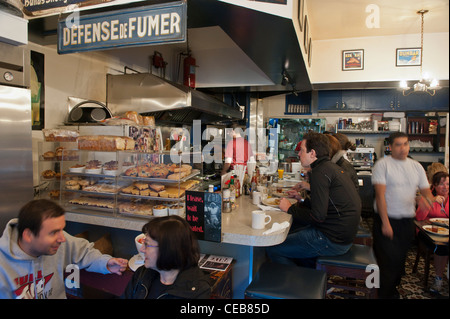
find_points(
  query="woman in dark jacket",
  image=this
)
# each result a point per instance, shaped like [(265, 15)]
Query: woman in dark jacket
[(337, 155), (170, 268)]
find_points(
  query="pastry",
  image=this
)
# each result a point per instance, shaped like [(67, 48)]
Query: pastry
[(54, 194), (174, 192), (163, 194), (128, 190), (175, 176), (154, 194), (160, 173), (141, 186), (48, 174), (156, 186), (105, 143), (189, 184), (48, 155), (60, 135), (133, 171)]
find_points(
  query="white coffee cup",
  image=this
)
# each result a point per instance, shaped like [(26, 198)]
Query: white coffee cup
[(256, 198), (259, 219)]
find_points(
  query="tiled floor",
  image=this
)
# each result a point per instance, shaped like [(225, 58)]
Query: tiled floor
[(412, 286)]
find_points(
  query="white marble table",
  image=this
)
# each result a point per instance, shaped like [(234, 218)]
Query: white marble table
[(237, 226)]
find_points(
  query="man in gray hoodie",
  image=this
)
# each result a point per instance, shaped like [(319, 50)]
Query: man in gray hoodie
[(35, 251)]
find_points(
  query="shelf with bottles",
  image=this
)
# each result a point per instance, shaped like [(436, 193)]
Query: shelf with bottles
[(424, 134)]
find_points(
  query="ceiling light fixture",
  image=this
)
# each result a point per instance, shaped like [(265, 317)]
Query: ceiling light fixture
[(425, 84)]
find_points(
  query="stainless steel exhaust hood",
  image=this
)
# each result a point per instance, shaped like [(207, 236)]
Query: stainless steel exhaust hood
[(170, 103)]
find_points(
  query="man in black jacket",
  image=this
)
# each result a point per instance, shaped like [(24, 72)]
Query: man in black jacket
[(330, 217)]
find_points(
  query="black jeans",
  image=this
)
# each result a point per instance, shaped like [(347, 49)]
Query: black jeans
[(391, 253)]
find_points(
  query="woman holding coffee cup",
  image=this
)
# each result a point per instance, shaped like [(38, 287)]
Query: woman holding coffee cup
[(170, 268)]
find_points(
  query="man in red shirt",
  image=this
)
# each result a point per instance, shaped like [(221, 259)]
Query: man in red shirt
[(238, 150)]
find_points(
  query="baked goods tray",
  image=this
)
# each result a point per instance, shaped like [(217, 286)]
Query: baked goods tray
[(87, 209), (80, 191), (194, 173), (166, 199)]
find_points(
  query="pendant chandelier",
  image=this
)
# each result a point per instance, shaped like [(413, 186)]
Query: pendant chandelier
[(425, 84)]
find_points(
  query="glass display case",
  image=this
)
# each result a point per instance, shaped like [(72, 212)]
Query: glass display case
[(116, 183)]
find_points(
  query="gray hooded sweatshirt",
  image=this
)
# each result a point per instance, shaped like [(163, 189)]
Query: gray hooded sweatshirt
[(26, 277)]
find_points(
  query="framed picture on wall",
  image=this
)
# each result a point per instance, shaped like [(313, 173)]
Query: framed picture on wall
[(306, 34), (352, 60), (301, 13), (408, 57), (309, 52)]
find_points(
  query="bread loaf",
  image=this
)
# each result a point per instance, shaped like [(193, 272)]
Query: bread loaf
[(105, 143)]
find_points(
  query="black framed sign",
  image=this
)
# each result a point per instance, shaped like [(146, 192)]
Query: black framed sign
[(204, 215)]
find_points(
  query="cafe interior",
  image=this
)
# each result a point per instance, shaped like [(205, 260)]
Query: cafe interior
[(273, 70)]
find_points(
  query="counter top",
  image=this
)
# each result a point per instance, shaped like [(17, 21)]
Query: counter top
[(236, 226)]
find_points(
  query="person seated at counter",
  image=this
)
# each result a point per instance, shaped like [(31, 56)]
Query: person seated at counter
[(330, 215), (439, 209), (35, 251), (338, 156), (238, 150), (170, 269)]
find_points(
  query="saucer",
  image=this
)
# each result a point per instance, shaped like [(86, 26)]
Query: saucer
[(135, 262)]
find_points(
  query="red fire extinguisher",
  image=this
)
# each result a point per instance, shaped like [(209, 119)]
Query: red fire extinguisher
[(189, 71)]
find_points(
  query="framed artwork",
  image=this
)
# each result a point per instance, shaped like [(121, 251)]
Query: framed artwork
[(408, 57), (309, 52), (352, 60), (301, 12), (306, 34)]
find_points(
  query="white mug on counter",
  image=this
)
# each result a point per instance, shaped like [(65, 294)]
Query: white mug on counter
[(259, 219), (256, 198)]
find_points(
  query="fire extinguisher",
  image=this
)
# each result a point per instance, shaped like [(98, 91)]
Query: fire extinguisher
[(189, 71)]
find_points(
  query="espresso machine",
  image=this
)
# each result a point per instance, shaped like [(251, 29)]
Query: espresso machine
[(362, 158)]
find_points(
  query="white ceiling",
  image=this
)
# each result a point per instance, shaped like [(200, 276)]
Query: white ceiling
[(336, 19)]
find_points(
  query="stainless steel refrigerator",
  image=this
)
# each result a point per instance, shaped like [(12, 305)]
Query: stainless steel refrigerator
[(16, 166)]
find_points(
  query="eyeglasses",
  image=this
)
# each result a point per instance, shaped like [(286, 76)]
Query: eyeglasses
[(148, 245)]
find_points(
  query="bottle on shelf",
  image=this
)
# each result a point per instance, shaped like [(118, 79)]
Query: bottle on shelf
[(232, 193)]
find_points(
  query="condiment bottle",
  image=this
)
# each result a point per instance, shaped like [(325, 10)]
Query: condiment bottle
[(232, 192)]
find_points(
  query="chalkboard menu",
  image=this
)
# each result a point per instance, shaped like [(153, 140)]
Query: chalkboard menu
[(204, 215)]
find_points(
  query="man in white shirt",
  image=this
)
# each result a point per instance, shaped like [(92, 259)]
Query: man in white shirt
[(396, 179)]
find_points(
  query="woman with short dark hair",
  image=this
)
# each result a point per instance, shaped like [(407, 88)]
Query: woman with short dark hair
[(170, 268)]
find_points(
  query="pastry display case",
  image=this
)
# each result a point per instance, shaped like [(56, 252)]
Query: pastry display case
[(50, 155), (101, 175)]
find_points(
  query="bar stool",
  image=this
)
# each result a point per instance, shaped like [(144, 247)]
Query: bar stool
[(363, 237), (278, 281), (351, 266)]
